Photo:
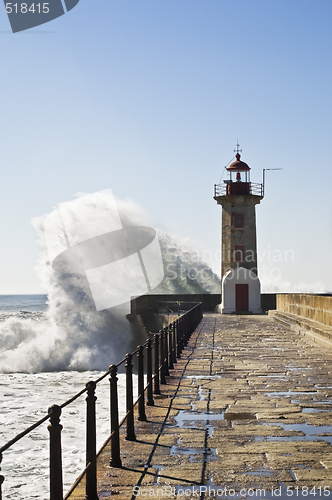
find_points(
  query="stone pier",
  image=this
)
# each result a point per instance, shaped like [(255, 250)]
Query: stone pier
[(247, 408)]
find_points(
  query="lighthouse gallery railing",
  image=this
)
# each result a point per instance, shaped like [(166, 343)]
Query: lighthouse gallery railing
[(254, 189), (161, 353)]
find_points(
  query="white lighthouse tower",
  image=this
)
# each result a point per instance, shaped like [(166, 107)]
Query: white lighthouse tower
[(240, 288)]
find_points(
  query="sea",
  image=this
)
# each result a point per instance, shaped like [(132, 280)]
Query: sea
[(25, 398)]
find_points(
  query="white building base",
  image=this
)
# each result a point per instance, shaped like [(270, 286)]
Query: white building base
[(245, 299)]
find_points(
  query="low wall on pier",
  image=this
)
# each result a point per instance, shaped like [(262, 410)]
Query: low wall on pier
[(315, 307), (153, 303), (144, 303), (309, 314)]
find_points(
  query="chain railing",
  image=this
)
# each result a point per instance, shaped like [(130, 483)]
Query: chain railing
[(161, 353)]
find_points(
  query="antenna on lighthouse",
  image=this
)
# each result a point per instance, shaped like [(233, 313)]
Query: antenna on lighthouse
[(264, 176)]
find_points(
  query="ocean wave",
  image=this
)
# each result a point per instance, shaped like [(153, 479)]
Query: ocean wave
[(71, 334)]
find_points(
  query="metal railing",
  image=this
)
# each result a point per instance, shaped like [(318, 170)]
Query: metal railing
[(254, 188), (161, 353), (174, 306)]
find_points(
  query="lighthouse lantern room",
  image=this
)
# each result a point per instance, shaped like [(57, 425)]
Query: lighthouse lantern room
[(238, 177)]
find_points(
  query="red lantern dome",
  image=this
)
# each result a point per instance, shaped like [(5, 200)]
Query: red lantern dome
[(238, 165)]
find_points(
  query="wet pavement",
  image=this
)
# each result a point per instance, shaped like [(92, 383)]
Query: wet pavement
[(246, 413)]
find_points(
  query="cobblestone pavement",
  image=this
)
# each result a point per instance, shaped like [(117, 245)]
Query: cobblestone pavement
[(247, 408)]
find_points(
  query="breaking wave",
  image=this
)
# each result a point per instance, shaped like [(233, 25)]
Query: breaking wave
[(71, 334)]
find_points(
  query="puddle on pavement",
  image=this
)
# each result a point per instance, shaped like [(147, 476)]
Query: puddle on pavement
[(159, 469), (200, 394), (262, 471), (298, 369), (179, 450), (324, 402), (310, 433), (291, 366), (240, 416), (291, 393), (313, 410), (210, 429), (298, 393), (184, 416)]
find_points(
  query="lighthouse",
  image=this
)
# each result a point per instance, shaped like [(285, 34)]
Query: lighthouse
[(238, 196)]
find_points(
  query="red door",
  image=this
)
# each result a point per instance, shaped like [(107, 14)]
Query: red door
[(242, 298)]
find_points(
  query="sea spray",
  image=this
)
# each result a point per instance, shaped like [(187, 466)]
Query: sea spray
[(279, 285), (71, 334), (185, 271)]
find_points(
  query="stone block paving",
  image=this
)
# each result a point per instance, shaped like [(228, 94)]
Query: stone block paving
[(247, 408)]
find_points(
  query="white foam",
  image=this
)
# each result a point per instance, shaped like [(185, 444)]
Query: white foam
[(72, 334)]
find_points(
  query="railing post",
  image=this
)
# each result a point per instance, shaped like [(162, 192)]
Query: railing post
[(180, 336), (166, 352), (156, 364), (141, 400), (130, 432), (149, 388), (1, 478), (185, 329), (56, 484), (178, 346), (194, 319), (190, 325), (115, 441), (174, 342), (91, 457), (162, 357), (170, 347)]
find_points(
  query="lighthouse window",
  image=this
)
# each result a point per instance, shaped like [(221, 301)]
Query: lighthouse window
[(239, 253), (238, 220)]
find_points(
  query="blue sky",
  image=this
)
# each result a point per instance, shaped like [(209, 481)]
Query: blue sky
[(148, 97)]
